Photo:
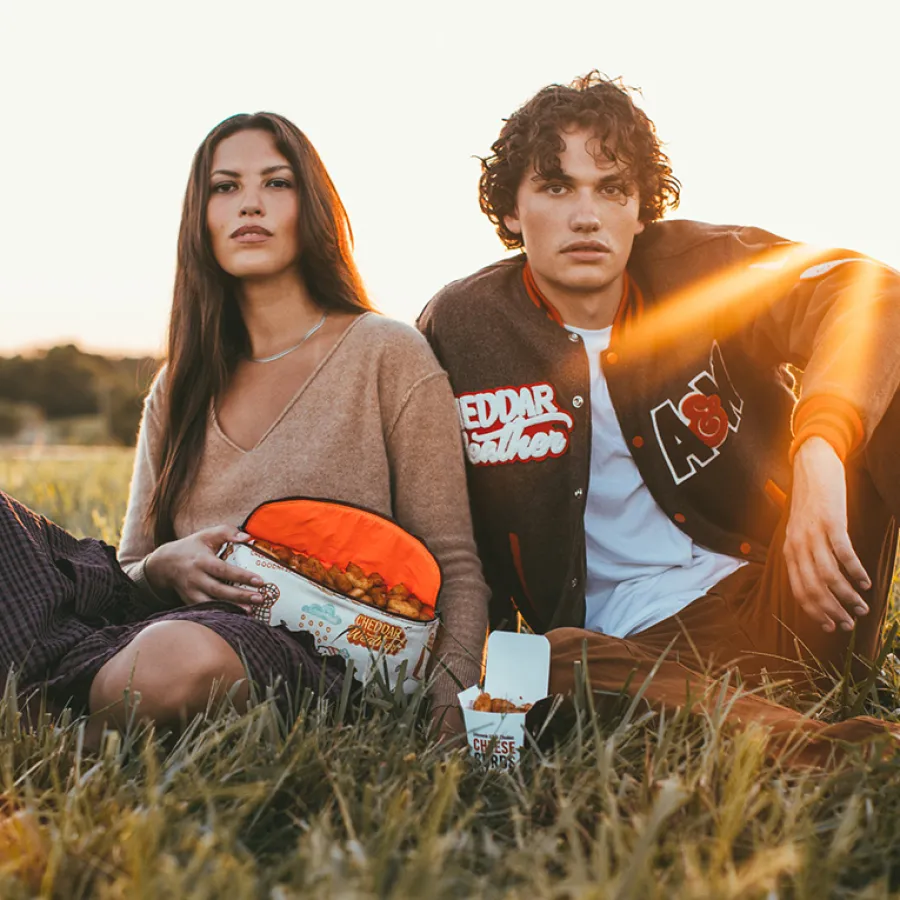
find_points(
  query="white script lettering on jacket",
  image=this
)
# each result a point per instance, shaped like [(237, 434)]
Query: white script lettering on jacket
[(513, 424)]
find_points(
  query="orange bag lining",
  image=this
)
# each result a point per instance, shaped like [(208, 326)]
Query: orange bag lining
[(339, 534)]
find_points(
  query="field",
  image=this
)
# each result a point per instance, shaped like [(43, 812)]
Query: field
[(357, 803)]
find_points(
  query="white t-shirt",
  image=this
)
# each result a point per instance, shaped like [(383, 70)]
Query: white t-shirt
[(641, 568)]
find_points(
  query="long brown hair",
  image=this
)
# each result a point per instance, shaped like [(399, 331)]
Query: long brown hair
[(207, 334)]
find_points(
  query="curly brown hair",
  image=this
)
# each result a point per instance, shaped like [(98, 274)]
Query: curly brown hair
[(532, 135)]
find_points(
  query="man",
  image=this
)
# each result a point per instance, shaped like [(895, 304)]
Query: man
[(642, 480)]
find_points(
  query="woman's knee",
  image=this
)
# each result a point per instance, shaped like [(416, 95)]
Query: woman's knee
[(172, 667)]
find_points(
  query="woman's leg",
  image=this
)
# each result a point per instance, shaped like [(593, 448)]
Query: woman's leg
[(54, 591), (171, 669)]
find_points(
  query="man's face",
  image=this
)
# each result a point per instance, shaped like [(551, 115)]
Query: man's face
[(578, 228)]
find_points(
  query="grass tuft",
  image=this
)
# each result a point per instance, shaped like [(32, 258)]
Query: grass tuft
[(354, 800)]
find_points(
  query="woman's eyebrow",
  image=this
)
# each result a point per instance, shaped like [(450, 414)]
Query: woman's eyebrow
[(267, 171)]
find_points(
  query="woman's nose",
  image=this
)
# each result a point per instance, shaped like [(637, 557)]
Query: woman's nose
[(251, 204)]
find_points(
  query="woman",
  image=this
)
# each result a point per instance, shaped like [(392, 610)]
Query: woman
[(280, 381)]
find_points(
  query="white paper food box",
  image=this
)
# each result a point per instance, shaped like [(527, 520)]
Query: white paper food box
[(518, 669), (340, 625)]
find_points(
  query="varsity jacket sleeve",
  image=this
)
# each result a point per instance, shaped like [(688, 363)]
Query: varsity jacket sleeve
[(834, 314)]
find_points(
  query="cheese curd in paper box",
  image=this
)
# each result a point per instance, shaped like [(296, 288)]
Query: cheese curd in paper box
[(518, 670), (340, 625)]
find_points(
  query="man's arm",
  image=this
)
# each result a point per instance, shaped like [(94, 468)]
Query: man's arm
[(836, 315), (839, 321)]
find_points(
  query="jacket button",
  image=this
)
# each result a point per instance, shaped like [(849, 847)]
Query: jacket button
[(679, 517), (612, 357), (578, 401), (578, 492), (745, 548), (574, 583), (573, 337), (637, 441)]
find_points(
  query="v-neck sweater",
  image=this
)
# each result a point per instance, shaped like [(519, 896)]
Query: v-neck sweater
[(374, 425)]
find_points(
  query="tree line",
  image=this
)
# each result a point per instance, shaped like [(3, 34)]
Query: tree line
[(65, 383)]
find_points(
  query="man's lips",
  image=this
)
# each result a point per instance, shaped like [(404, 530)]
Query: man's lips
[(586, 249), (251, 234)]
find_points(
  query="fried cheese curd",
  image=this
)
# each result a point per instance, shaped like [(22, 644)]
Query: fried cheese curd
[(351, 581), (484, 702)]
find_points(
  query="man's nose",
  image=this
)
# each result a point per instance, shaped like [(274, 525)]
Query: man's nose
[(586, 215)]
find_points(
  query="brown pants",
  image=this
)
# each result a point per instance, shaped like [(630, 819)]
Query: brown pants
[(751, 622)]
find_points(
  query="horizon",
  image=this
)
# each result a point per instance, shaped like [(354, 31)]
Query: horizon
[(778, 128)]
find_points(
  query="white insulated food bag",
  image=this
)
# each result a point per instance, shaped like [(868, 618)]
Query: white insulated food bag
[(341, 626)]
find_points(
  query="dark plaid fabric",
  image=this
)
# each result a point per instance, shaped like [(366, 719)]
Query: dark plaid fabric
[(68, 608)]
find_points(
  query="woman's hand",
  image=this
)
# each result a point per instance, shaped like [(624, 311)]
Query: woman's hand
[(191, 568)]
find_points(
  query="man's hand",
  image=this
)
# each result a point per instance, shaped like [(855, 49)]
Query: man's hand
[(823, 568)]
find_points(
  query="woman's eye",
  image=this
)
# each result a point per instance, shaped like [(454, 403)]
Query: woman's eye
[(280, 183), (223, 187)]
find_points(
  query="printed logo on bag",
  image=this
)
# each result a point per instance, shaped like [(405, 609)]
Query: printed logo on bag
[(376, 635), (692, 431), (513, 424)]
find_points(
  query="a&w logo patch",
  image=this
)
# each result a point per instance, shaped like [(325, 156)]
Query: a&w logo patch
[(513, 424), (691, 432)]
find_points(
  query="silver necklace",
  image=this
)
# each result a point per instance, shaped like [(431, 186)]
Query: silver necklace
[(306, 337)]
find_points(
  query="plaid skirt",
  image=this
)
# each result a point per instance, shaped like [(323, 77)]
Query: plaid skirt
[(68, 608)]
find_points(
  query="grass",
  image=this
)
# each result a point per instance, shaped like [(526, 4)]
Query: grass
[(358, 803)]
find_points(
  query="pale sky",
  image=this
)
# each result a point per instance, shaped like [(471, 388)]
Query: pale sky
[(779, 114)]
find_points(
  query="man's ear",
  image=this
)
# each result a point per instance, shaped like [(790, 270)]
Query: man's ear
[(638, 228), (512, 222)]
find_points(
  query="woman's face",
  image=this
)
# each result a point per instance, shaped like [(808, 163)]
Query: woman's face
[(252, 209)]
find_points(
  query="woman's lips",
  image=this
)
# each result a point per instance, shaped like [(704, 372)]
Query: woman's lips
[(251, 237), (251, 234)]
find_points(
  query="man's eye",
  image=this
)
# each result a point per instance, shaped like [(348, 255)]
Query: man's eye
[(613, 190), (555, 190), (223, 187)]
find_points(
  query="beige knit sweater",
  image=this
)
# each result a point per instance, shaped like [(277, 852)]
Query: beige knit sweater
[(374, 425)]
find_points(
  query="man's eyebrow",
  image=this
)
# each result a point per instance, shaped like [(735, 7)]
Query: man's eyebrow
[(613, 177), (267, 171), (552, 176)]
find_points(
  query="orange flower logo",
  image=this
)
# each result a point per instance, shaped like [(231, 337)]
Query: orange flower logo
[(706, 418)]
